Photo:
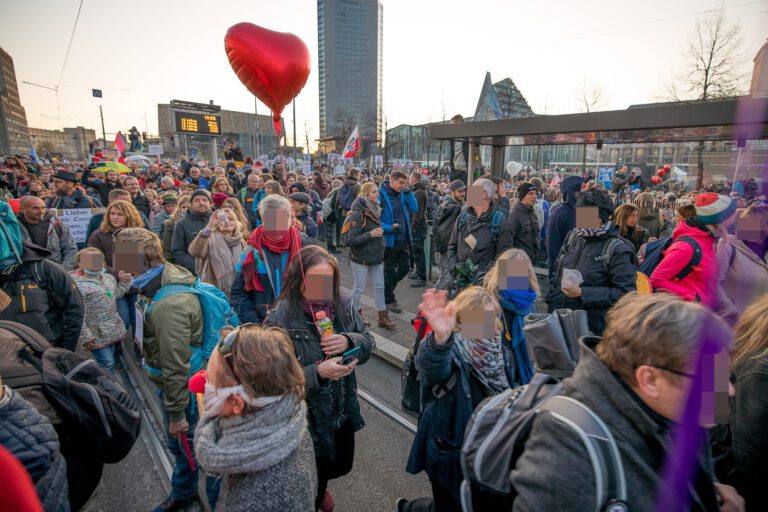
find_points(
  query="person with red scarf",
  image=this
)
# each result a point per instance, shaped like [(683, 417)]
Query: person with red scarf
[(261, 270)]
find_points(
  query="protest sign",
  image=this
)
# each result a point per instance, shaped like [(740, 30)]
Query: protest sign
[(156, 149), (379, 162), (110, 153), (339, 169), (306, 165), (77, 221)]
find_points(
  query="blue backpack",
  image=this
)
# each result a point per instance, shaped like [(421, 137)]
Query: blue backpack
[(217, 313), (346, 196), (10, 234), (651, 254)]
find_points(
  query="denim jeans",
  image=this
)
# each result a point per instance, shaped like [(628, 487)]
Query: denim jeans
[(184, 481), (446, 278), (126, 308), (105, 357), (360, 275)]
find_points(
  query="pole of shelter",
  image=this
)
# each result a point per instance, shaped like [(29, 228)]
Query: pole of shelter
[(103, 131), (471, 164)]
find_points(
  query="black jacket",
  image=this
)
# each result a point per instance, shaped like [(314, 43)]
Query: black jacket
[(103, 188), (446, 217), (142, 203), (44, 297), (524, 230), (488, 245), (419, 217), (600, 289), (184, 232), (364, 248), (306, 342)]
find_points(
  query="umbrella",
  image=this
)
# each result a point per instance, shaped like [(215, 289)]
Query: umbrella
[(140, 159), (112, 166)]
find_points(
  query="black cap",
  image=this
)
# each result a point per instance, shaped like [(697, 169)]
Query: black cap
[(301, 197), (457, 185), (525, 188)]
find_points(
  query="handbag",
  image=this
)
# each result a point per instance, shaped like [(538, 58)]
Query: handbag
[(410, 388)]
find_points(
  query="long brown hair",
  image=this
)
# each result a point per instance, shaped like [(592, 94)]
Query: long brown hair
[(307, 258), (133, 218), (622, 213), (751, 333), (264, 362)]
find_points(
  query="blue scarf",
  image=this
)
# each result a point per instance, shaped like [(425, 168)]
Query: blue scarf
[(141, 280), (516, 304)]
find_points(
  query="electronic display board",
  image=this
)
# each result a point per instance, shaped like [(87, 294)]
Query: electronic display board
[(197, 123)]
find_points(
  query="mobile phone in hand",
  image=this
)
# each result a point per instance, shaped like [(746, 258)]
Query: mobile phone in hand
[(349, 356)]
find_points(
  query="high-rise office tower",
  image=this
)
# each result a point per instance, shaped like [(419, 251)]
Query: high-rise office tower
[(349, 40), (14, 135)]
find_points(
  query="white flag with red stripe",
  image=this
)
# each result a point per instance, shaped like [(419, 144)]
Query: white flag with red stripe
[(353, 145)]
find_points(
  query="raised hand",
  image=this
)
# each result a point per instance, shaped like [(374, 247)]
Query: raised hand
[(438, 313)]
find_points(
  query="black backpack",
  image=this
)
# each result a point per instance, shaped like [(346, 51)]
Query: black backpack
[(346, 196), (573, 254), (433, 202), (495, 439), (83, 394)]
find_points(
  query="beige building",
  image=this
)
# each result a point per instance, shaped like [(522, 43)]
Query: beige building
[(14, 138), (759, 86), (72, 143)]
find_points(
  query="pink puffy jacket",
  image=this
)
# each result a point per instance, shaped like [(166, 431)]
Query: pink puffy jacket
[(702, 282)]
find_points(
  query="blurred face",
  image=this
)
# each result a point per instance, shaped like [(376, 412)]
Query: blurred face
[(633, 218), (529, 199), (169, 208), (226, 221), (678, 219), (117, 218), (132, 185), (221, 187), (194, 172), (35, 186), (289, 182), (459, 195), (397, 185), (373, 195), (112, 177), (254, 182), (201, 204), (62, 187)]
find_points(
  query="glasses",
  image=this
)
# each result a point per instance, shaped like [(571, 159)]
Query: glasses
[(675, 372)]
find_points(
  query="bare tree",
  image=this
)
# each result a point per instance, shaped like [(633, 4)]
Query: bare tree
[(307, 128), (715, 60), (590, 96)]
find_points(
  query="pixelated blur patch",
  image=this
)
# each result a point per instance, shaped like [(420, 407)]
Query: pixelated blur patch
[(276, 220), (128, 256), (318, 287), (750, 229), (478, 324), (475, 196), (587, 217)]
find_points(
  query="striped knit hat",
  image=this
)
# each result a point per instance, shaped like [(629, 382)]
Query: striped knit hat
[(714, 208)]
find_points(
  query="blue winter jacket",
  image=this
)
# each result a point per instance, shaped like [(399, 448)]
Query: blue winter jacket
[(409, 205), (30, 437), (562, 219)]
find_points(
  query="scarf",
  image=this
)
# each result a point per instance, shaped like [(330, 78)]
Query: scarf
[(253, 441), (371, 207), (516, 304), (604, 230), (486, 359), (223, 253), (259, 240), (141, 280)]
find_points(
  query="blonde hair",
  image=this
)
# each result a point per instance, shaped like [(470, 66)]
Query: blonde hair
[(366, 188), (491, 280), (225, 181), (153, 247), (183, 201), (658, 330), (233, 217), (470, 298), (751, 333), (233, 204), (133, 218), (264, 362)]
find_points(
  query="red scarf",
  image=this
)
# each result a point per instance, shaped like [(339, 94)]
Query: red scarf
[(291, 243)]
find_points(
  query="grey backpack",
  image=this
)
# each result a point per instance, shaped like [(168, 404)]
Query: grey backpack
[(496, 435), (553, 340)]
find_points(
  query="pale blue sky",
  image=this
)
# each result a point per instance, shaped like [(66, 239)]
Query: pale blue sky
[(143, 52)]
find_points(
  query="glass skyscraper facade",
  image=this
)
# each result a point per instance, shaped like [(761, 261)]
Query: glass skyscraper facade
[(350, 39)]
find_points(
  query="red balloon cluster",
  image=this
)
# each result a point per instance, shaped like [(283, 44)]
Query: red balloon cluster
[(274, 66), (656, 180)]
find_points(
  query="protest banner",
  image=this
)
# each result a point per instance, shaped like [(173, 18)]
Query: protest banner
[(306, 165), (339, 170), (156, 149), (77, 221), (379, 161)]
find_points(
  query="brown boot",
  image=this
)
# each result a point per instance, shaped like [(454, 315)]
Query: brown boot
[(361, 316), (385, 322)]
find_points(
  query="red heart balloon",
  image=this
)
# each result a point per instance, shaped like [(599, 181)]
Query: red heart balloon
[(274, 66), (667, 168), (660, 172)]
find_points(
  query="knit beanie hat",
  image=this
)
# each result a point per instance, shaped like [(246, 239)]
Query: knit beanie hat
[(169, 199), (712, 208), (200, 192), (218, 199), (525, 188)]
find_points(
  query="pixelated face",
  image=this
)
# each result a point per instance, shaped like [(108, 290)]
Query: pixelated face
[(318, 283), (587, 217), (276, 221), (476, 196), (513, 274), (478, 324), (92, 261), (716, 389), (128, 257), (750, 229)]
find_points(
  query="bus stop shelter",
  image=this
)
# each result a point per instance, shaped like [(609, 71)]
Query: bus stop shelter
[(741, 120)]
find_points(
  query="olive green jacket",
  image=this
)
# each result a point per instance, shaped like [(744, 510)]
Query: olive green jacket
[(171, 326)]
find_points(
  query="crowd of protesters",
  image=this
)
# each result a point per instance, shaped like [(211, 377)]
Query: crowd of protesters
[(283, 421)]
